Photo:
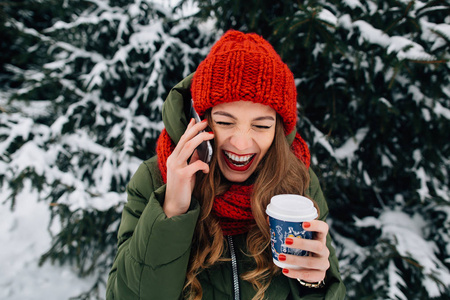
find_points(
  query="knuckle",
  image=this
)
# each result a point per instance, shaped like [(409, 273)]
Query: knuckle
[(320, 248), (309, 263), (183, 172), (299, 242), (188, 144), (181, 175), (307, 275)]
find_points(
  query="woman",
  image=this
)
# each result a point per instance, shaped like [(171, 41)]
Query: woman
[(192, 230)]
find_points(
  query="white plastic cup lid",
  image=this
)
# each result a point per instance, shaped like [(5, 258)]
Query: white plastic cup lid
[(291, 208)]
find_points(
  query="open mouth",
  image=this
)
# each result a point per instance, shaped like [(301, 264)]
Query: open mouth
[(238, 162)]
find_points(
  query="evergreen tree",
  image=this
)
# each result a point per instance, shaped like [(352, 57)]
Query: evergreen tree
[(84, 110), (18, 19), (373, 82)]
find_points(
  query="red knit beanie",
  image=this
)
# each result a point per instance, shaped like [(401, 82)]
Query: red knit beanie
[(245, 67)]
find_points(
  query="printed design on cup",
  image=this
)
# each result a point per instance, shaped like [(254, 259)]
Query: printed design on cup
[(282, 230)]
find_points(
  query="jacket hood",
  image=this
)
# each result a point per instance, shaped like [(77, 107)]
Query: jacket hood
[(175, 111)]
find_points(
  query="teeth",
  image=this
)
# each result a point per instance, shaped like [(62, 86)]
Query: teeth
[(239, 160)]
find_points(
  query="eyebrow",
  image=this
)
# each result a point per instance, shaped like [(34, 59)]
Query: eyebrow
[(225, 114)]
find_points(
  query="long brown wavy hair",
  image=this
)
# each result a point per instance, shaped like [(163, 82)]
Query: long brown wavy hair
[(279, 172)]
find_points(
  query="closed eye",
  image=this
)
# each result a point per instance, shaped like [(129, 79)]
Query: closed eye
[(263, 126), (221, 123)]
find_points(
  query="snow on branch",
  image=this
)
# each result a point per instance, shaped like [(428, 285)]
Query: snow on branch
[(406, 233), (403, 47)]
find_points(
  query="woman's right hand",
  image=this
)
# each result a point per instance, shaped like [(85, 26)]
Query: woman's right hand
[(180, 174)]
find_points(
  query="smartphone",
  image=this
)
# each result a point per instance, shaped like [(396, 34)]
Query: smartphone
[(205, 149)]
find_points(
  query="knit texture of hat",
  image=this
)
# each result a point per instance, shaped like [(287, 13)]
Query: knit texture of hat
[(245, 67)]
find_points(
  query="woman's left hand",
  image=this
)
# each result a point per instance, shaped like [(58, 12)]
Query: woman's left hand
[(314, 266)]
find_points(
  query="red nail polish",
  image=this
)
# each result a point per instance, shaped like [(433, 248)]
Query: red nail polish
[(306, 224), (204, 120), (285, 271), (211, 132), (281, 257), (289, 241)]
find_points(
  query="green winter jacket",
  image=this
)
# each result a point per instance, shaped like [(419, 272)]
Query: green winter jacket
[(153, 250)]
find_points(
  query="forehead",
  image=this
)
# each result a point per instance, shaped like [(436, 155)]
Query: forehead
[(244, 109)]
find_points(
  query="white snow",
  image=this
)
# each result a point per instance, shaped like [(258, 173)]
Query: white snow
[(403, 47), (24, 237), (328, 17), (351, 145), (406, 232), (346, 150), (354, 4), (395, 282), (385, 102), (371, 34), (407, 49), (320, 138)]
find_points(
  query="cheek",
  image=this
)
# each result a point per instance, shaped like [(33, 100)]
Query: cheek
[(265, 142), (264, 149), (219, 139)]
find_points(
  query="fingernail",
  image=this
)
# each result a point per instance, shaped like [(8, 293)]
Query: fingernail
[(211, 132), (306, 224), (289, 241), (204, 120), (285, 271), (281, 257)]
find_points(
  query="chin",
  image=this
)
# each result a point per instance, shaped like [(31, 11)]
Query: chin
[(236, 177)]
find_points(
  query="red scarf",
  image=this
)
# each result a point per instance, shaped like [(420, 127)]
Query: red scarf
[(233, 208)]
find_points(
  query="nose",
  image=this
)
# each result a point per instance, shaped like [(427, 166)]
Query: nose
[(241, 140)]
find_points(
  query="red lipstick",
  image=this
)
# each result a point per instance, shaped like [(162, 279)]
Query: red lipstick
[(234, 167)]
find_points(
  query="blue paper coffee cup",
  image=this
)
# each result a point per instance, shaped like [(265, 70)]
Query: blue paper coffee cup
[(287, 212)]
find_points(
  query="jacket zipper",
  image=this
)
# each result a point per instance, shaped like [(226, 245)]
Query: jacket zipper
[(234, 268)]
